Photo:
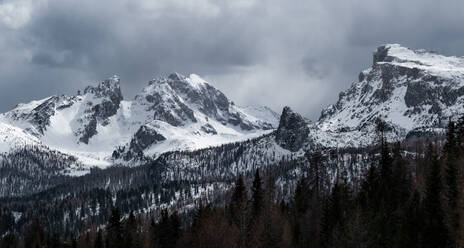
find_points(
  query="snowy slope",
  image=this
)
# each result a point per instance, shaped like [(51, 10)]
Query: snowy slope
[(413, 91), (98, 124), (13, 137), (408, 89), (187, 113)]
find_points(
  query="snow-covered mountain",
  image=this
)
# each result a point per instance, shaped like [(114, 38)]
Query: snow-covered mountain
[(100, 128), (413, 91)]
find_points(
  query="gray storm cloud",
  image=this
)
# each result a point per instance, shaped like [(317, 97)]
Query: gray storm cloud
[(299, 53)]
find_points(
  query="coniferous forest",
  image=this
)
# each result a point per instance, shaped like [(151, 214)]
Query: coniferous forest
[(231, 124), (398, 202)]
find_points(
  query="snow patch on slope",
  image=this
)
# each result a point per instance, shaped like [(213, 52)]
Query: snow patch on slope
[(13, 137)]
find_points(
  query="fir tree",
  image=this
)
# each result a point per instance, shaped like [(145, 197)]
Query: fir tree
[(401, 179), (35, 236), (239, 210), (411, 223), (334, 213), (174, 225), (131, 238), (114, 230), (257, 195), (435, 230), (9, 241), (99, 240), (451, 175)]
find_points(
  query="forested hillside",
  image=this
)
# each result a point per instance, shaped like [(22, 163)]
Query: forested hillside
[(399, 200)]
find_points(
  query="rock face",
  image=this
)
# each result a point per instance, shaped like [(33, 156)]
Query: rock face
[(409, 89), (171, 113), (108, 97), (37, 113), (414, 92), (143, 138), (293, 130), (179, 100)]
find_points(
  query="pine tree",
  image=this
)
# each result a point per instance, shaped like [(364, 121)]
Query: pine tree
[(35, 236), (334, 213), (435, 230), (9, 241), (401, 179), (306, 207), (174, 224), (257, 195), (99, 240), (301, 197), (385, 172), (114, 237), (411, 223), (451, 175), (164, 230), (131, 237), (368, 196), (239, 210), (54, 241)]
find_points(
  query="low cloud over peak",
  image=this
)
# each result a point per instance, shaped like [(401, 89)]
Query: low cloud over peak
[(258, 52)]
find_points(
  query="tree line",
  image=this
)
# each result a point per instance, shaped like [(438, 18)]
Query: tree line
[(398, 202)]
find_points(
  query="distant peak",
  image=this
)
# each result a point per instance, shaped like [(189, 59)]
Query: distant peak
[(114, 78), (287, 111), (109, 87), (437, 64), (383, 54), (195, 80), (176, 76)]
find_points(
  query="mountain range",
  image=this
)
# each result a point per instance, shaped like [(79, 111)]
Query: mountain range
[(181, 139), (99, 128)]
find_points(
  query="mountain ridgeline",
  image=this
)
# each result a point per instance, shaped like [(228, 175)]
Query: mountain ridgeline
[(181, 144)]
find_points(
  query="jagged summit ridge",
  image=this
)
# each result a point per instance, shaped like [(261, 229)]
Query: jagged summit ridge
[(409, 89), (171, 113), (434, 63), (109, 87)]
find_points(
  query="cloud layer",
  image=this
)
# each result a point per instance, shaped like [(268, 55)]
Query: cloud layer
[(299, 53)]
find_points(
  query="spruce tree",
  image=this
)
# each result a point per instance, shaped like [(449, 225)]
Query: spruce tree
[(435, 230), (131, 238), (335, 213), (451, 175), (411, 223), (385, 172), (36, 235), (174, 224), (239, 210), (299, 208), (257, 195), (114, 237), (99, 240), (401, 179), (164, 230), (368, 196)]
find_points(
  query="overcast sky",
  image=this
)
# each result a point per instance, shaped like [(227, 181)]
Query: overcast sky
[(271, 52)]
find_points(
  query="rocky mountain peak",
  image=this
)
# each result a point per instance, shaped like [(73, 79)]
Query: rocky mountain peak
[(292, 131), (382, 54), (171, 113), (176, 76), (178, 99), (108, 88), (407, 88)]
